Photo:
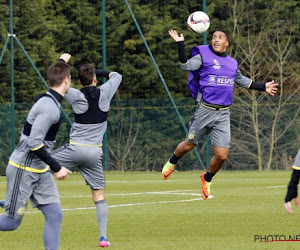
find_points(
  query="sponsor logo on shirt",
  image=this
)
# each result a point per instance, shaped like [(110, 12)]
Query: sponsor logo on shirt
[(216, 64), (220, 80)]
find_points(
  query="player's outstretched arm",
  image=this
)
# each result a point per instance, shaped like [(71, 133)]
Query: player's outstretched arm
[(65, 57), (174, 35), (110, 87), (271, 88), (102, 73)]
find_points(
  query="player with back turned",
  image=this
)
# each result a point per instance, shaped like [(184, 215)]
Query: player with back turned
[(213, 74), (90, 107), (27, 172)]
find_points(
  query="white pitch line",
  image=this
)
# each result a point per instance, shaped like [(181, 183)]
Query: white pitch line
[(170, 192), (128, 205), (182, 194), (262, 187), (175, 192), (133, 181), (156, 202)]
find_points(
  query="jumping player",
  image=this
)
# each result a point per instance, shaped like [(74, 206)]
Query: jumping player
[(292, 191), (90, 107), (27, 172), (211, 81)]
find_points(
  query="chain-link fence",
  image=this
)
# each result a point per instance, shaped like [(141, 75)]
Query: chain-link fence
[(142, 134)]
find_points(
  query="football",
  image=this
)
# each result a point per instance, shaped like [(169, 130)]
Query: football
[(198, 22)]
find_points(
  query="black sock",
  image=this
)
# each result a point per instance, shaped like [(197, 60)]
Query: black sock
[(208, 176), (174, 159)]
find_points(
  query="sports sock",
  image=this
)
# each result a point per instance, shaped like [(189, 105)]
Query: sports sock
[(174, 159), (208, 176), (53, 215), (101, 212)]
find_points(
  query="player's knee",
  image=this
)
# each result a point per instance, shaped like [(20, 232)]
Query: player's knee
[(222, 157), (15, 224), (57, 216), (98, 195), (53, 213), (9, 224)]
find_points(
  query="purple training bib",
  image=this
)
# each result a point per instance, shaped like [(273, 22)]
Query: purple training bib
[(215, 78)]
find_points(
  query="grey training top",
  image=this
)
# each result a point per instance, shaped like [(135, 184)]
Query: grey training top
[(42, 115), (92, 134)]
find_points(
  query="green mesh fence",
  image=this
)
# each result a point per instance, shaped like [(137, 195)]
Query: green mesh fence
[(142, 134)]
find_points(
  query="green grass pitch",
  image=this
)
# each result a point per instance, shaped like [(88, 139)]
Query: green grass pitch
[(146, 212)]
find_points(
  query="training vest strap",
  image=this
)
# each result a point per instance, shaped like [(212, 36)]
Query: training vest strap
[(51, 134), (94, 114)]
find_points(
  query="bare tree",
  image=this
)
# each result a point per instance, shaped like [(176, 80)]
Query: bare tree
[(258, 125), (125, 154)]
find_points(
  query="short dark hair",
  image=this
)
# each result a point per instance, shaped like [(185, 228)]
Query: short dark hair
[(86, 74), (226, 34), (57, 72)]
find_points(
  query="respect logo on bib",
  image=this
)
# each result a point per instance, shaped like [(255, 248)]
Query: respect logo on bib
[(220, 80)]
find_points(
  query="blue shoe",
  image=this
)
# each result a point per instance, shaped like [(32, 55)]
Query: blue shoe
[(104, 242), (2, 203)]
